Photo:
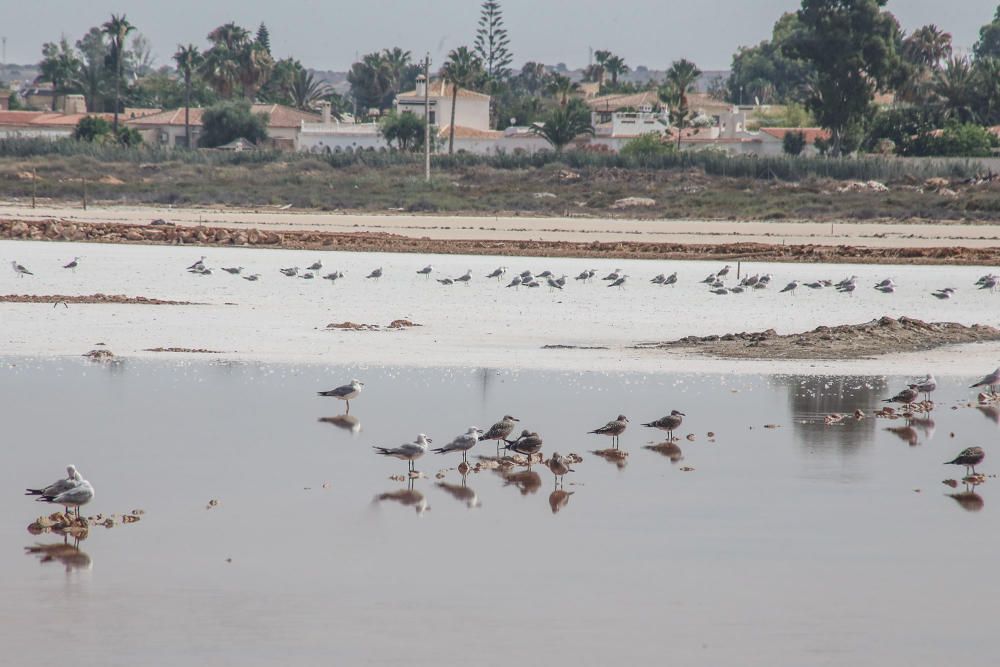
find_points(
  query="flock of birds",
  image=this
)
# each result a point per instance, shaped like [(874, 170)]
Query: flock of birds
[(73, 491), (716, 281)]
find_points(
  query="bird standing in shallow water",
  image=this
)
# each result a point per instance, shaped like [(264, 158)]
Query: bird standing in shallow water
[(462, 443), (991, 381), (345, 392), (528, 443), (409, 452), (59, 486), (614, 429), (905, 397), (81, 494), (669, 423), (970, 458), (557, 464), (500, 431)]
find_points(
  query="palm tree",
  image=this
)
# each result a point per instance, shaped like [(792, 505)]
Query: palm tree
[(599, 68), (955, 86), (60, 66), (188, 58), (564, 124), (255, 66), (395, 63), (561, 87), (462, 69), (230, 35), (927, 46), (117, 29), (615, 66), (680, 77), (305, 90)]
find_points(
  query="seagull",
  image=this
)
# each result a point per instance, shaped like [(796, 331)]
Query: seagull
[(926, 386), (710, 279), (334, 276), (72, 265), (585, 275), (885, 283), (750, 281), (724, 272), (671, 279), (557, 464), (500, 430), (200, 264), (497, 272), (308, 275), (658, 279), (59, 486), (528, 443), (234, 270), (561, 281), (526, 278), (720, 291), (944, 293), (426, 271), (203, 271), (533, 283), (515, 282), (316, 266), (970, 457), (848, 286), (619, 282), (790, 287), (465, 278), (376, 274), (253, 277), (669, 423), (410, 452), (291, 271), (20, 270), (446, 281), (553, 284), (990, 283), (905, 397), (80, 494), (545, 274), (462, 443), (613, 428), (888, 289), (346, 392), (525, 274), (991, 381), (614, 275), (816, 284)]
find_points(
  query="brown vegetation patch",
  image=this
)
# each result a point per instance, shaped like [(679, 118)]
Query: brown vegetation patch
[(354, 326), (190, 350), (92, 298), (849, 341)]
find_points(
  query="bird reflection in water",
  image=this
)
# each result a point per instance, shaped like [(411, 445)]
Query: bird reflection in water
[(968, 500), (910, 433), (991, 412), (558, 499), (461, 493), (69, 555), (349, 423), (617, 457), (526, 481), (668, 449), (408, 497)]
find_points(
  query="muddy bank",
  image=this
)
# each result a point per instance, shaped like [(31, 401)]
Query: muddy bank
[(849, 341), (91, 298), (218, 236)]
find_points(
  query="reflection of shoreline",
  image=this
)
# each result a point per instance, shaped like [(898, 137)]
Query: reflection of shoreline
[(69, 555)]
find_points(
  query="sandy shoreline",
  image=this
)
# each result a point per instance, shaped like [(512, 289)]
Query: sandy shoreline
[(878, 234)]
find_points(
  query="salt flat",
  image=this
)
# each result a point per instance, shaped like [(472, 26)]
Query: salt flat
[(482, 324)]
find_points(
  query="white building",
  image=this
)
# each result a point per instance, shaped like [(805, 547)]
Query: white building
[(167, 127), (472, 109)]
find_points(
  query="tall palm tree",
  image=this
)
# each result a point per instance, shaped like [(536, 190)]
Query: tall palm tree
[(615, 66), (395, 62), (255, 66), (561, 88), (927, 46), (305, 90), (230, 35), (60, 66), (680, 77), (955, 87), (188, 58), (564, 124), (599, 68), (462, 69), (117, 29)]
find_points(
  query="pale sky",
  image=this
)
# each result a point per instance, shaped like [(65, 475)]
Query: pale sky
[(327, 34)]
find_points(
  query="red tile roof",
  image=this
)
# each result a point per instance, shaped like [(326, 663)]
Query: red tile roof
[(278, 116), (441, 89), (44, 118)]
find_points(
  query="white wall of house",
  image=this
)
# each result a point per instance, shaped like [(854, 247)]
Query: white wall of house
[(337, 137), (33, 132), (470, 111)]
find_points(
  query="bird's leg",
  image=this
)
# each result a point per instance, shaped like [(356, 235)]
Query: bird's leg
[(348, 407)]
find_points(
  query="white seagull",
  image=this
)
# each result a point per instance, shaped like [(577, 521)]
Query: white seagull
[(410, 452), (462, 443), (345, 392)]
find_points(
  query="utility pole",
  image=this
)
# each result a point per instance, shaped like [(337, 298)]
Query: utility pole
[(427, 118)]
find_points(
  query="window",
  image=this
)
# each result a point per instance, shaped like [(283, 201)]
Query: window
[(432, 117)]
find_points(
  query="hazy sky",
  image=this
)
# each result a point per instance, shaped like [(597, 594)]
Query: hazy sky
[(327, 34)]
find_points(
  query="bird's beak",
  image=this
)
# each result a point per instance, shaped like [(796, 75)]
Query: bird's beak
[(682, 414), (515, 419), (429, 439)]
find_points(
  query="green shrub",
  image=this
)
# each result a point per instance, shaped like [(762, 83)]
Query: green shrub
[(793, 143), (228, 121)]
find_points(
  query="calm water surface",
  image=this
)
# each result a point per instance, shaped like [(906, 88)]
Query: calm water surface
[(803, 544)]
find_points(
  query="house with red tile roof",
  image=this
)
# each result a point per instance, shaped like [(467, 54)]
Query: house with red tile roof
[(166, 128)]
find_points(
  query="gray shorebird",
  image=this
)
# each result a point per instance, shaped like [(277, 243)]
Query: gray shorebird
[(619, 282), (59, 486), (500, 431), (253, 277), (816, 284), (671, 279), (528, 444), (906, 397), (333, 276), (790, 287), (545, 274), (345, 392), (991, 381), (308, 275), (669, 423), (409, 452), (724, 272), (446, 281), (559, 467), (710, 279), (970, 458), (497, 273), (944, 293), (376, 274), (426, 271), (553, 283), (614, 275), (585, 275), (233, 270), (465, 278), (926, 386), (200, 264), (888, 282), (316, 266), (77, 496), (20, 270), (613, 428), (515, 282), (291, 271), (462, 443), (73, 264), (658, 279)]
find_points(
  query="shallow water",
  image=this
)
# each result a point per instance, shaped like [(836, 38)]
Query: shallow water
[(804, 544)]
